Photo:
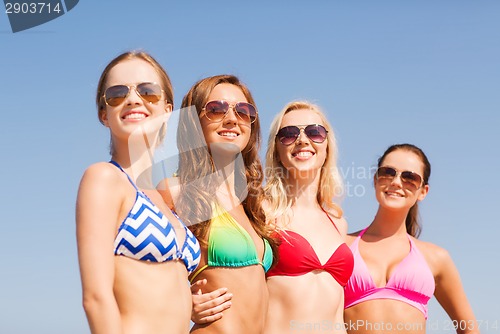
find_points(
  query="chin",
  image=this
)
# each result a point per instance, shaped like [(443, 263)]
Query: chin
[(227, 148)]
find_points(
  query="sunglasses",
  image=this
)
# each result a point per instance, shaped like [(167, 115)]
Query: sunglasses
[(289, 134), (408, 178), (217, 110), (148, 91)]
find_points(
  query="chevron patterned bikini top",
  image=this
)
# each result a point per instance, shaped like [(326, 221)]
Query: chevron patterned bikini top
[(147, 235)]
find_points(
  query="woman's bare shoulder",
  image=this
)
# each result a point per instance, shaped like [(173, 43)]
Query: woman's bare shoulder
[(435, 255), (101, 173)]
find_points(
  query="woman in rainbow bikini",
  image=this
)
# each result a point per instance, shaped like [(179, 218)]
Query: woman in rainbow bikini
[(134, 253), (219, 193), (395, 274), (306, 286)]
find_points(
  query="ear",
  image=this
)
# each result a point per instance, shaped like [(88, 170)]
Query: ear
[(103, 115), (423, 192), (168, 107)]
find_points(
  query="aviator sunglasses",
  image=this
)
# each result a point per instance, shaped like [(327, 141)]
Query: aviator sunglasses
[(289, 134), (217, 110), (408, 178), (148, 91)]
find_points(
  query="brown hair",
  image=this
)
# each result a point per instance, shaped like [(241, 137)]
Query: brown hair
[(413, 226), (196, 201)]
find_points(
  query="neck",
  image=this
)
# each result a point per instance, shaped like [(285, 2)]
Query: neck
[(388, 223), (138, 164), (304, 190), (228, 161)]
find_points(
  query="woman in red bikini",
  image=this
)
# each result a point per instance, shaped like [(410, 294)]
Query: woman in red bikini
[(306, 286), (395, 274)]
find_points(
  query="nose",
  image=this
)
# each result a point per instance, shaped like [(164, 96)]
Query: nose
[(302, 138), (230, 116), (396, 180), (133, 97)]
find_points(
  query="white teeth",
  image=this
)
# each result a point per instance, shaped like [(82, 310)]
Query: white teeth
[(228, 134), (303, 154), (135, 116), (391, 193)]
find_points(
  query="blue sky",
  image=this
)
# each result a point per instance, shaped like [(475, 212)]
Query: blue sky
[(424, 72)]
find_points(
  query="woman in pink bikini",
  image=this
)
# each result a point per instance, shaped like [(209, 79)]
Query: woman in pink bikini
[(395, 274)]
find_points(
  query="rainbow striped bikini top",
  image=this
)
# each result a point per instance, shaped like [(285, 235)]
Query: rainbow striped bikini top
[(230, 245)]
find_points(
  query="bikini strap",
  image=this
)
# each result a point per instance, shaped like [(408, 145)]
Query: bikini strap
[(331, 220), (128, 177), (355, 243), (363, 232)]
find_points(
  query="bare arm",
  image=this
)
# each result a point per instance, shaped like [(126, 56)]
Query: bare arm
[(451, 295), (97, 209)]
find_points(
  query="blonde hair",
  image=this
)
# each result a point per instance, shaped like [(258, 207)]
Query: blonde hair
[(278, 199)]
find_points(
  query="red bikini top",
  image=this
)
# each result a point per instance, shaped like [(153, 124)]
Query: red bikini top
[(297, 257)]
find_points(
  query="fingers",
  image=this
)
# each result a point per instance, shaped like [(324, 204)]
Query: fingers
[(196, 286), (204, 319), (211, 299), (208, 307)]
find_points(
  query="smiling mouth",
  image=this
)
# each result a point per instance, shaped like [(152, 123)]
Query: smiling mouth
[(228, 134), (393, 194), (303, 154), (135, 116)]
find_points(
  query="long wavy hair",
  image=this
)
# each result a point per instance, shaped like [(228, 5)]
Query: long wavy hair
[(197, 172), (412, 221), (276, 190)]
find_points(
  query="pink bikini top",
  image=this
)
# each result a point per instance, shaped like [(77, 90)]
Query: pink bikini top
[(411, 282)]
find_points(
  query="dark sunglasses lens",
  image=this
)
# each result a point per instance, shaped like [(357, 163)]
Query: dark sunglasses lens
[(150, 92), (115, 95), (316, 133), (216, 110), (386, 172), (288, 134), (412, 178), (246, 111)]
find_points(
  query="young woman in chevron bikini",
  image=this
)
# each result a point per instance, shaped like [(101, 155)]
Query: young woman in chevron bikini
[(134, 253)]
